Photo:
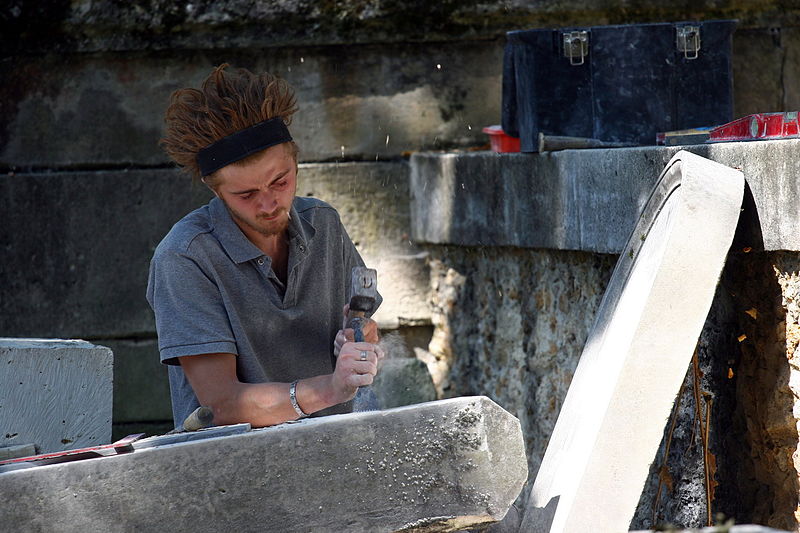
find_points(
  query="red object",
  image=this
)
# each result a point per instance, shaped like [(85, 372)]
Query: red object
[(121, 446), (758, 126), (501, 142)]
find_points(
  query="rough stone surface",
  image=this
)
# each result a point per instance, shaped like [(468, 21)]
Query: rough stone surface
[(523, 352), (587, 199), (86, 272), (156, 24), (55, 394), (403, 381), (558, 294), (434, 467), (107, 110), (748, 387), (705, 429), (768, 386)]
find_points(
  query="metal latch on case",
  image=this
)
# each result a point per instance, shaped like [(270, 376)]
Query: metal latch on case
[(576, 46), (688, 41)]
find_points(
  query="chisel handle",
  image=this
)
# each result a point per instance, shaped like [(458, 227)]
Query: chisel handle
[(202, 417), (355, 321)]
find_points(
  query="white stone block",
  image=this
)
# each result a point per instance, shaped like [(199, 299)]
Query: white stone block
[(56, 394), (637, 353)]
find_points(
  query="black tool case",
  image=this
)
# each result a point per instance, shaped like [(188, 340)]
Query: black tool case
[(617, 83)]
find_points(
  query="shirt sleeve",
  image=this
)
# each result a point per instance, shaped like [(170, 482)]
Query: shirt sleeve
[(190, 315)]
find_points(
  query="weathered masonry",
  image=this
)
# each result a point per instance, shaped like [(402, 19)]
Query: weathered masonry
[(521, 250)]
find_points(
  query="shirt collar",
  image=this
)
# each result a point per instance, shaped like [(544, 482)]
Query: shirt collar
[(238, 246)]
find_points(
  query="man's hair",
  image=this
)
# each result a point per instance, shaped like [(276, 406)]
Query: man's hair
[(226, 102)]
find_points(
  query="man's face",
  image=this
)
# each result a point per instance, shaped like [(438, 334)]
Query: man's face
[(259, 194)]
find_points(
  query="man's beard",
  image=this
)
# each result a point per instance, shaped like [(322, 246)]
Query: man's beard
[(266, 228)]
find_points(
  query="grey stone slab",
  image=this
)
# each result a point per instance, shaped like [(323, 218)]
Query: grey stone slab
[(453, 463), (636, 355), (141, 385), (588, 200), (108, 109), (55, 394), (85, 273)]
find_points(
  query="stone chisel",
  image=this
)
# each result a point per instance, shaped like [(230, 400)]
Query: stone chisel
[(200, 418)]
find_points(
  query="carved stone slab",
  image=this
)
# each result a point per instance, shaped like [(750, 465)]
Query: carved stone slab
[(55, 394), (438, 466), (637, 353)]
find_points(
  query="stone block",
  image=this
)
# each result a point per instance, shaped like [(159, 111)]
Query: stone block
[(55, 394), (141, 385), (372, 200), (403, 381), (438, 466), (588, 200), (108, 109), (86, 273), (637, 353)]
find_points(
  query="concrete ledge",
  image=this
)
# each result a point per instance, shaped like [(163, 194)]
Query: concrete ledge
[(55, 394), (588, 200), (453, 463)]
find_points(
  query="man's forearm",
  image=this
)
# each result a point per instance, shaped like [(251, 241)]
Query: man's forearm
[(267, 404), (216, 385)]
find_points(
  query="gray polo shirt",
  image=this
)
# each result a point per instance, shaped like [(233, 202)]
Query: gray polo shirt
[(212, 290)]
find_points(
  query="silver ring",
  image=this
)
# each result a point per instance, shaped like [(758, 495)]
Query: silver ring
[(363, 355)]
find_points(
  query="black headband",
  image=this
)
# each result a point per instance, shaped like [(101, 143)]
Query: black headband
[(239, 145)]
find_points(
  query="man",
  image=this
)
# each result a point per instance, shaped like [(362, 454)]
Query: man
[(248, 290)]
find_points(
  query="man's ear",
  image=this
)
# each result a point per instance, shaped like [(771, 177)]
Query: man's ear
[(203, 179)]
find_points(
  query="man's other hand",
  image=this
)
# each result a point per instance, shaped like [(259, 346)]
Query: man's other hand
[(369, 328)]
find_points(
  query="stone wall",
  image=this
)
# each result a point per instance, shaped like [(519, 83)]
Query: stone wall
[(510, 323), (77, 247), (511, 316), (85, 83)]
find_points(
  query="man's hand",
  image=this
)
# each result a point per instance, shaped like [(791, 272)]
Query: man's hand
[(369, 328), (356, 366)]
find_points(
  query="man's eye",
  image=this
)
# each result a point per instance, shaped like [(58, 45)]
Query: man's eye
[(246, 196), (280, 184)]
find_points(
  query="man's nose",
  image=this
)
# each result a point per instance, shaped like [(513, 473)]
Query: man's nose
[(266, 202)]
